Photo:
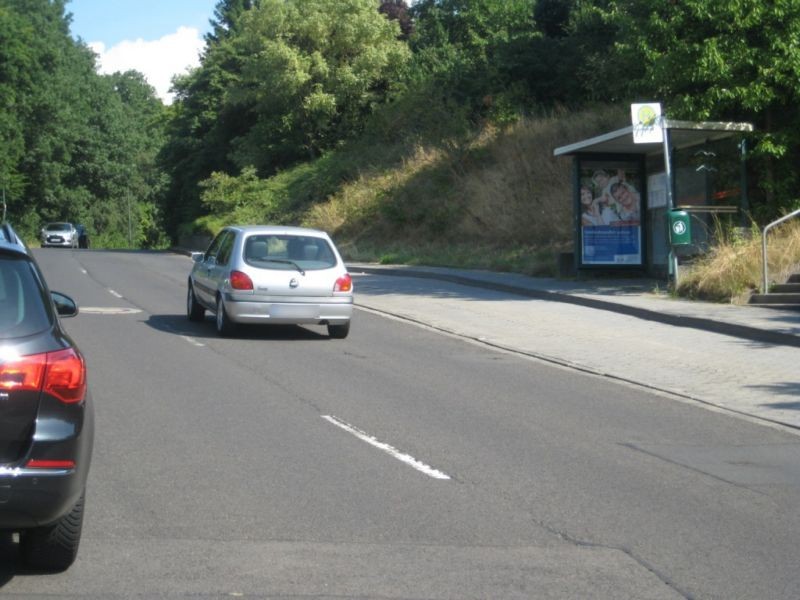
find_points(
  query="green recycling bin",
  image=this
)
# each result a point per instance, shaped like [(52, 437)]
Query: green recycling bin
[(680, 231)]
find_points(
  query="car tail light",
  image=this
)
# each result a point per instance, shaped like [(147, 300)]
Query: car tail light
[(61, 374), (343, 284), (24, 373), (241, 281), (50, 464), (66, 376)]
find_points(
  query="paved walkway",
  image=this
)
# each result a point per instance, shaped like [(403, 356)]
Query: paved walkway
[(740, 359)]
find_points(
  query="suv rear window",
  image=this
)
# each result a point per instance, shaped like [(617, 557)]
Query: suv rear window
[(23, 310)]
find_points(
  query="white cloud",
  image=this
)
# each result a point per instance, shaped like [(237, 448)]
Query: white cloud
[(159, 60)]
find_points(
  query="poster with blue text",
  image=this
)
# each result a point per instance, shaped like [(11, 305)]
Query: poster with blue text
[(611, 208)]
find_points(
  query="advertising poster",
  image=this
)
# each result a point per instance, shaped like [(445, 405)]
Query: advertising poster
[(611, 208)]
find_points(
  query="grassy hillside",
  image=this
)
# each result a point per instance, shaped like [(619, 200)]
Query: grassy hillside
[(493, 198), (439, 193)]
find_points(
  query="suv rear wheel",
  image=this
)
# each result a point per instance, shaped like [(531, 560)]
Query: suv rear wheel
[(54, 547)]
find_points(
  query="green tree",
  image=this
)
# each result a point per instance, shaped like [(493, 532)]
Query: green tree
[(226, 18), (17, 70), (199, 131), (719, 61), (312, 70), (398, 10), (76, 145), (470, 50)]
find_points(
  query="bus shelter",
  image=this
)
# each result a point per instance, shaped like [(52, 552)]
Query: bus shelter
[(627, 195)]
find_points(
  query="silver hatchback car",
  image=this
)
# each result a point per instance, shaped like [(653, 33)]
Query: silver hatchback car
[(271, 274), (63, 235)]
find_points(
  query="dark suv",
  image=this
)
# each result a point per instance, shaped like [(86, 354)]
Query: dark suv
[(46, 415)]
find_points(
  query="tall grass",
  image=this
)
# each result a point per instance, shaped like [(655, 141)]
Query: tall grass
[(496, 198), (732, 269)]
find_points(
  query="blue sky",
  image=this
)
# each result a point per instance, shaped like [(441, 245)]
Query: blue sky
[(159, 38), (113, 21)]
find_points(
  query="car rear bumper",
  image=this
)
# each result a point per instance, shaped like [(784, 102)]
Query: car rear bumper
[(32, 497), (334, 311), (36, 497), (64, 244)]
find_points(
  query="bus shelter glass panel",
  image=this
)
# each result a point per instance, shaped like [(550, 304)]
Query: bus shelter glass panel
[(611, 209), (708, 185), (657, 208)]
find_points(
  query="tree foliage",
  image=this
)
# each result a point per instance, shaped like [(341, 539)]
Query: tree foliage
[(469, 49), (311, 71), (397, 10), (284, 85), (76, 145), (287, 80), (709, 60)]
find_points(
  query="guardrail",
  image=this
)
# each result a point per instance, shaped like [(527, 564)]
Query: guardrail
[(764, 284)]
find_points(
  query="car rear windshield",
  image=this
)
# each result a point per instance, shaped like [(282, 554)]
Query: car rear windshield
[(58, 227), (22, 301), (286, 252)]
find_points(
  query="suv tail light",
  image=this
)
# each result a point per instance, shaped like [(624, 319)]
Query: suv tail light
[(61, 374), (343, 284), (241, 281), (50, 464)]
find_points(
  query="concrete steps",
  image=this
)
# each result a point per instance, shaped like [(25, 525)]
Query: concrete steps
[(783, 295)]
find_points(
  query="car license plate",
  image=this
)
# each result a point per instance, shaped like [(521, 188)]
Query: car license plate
[(287, 311)]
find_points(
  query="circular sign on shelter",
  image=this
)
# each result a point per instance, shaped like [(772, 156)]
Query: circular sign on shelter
[(646, 121)]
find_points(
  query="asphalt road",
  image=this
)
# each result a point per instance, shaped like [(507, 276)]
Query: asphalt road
[(398, 463)]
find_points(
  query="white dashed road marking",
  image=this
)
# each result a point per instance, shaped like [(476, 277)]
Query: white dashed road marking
[(193, 341), (108, 310), (113, 293), (391, 451)]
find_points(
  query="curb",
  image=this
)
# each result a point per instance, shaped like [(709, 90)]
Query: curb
[(734, 330)]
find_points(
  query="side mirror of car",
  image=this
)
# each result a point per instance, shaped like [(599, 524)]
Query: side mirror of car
[(65, 306), (197, 257)]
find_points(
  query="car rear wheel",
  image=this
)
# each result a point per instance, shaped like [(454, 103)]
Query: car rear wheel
[(339, 332), (194, 310), (225, 326), (54, 547)]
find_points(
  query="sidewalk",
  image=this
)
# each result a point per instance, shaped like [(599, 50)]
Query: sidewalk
[(741, 359)]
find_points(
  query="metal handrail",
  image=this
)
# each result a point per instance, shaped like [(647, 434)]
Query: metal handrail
[(791, 215)]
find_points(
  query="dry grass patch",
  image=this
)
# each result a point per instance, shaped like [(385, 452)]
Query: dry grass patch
[(497, 199), (732, 270)]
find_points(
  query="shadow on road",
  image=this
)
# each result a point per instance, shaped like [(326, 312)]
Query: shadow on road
[(11, 563), (180, 325), (9, 558)]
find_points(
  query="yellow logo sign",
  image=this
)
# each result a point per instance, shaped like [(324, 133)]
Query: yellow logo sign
[(647, 116)]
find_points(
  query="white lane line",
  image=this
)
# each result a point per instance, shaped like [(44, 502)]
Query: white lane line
[(108, 310), (186, 338), (391, 451), (193, 341), (113, 293), (84, 271)]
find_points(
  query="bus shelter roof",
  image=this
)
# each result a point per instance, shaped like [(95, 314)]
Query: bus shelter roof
[(682, 134)]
